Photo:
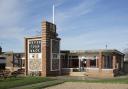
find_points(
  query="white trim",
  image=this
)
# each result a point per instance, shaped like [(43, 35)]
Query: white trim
[(88, 57), (9, 67), (69, 68), (51, 55), (92, 68), (23, 58)]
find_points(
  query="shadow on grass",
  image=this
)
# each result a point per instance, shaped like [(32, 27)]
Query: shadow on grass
[(21, 81)]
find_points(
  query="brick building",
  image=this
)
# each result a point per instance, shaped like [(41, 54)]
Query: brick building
[(12, 61), (43, 53), (44, 58), (2, 60), (92, 63)]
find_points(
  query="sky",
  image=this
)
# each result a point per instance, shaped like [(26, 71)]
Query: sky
[(81, 24)]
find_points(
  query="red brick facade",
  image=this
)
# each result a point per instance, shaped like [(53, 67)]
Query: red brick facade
[(108, 63), (48, 34)]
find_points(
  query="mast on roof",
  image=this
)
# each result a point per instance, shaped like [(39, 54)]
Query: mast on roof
[(53, 18)]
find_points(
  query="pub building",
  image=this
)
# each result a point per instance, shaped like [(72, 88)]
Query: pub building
[(44, 57)]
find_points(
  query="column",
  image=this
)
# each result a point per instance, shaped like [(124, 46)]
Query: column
[(44, 48), (97, 63), (103, 61), (26, 58), (88, 63), (100, 60), (79, 62), (114, 61), (68, 62)]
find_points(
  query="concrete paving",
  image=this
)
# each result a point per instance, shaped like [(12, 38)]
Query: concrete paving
[(82, 85)]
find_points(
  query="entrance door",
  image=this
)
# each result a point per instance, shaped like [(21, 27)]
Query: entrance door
[(83, 65)]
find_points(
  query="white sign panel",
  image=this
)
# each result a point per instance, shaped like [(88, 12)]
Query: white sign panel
[(34, 55)]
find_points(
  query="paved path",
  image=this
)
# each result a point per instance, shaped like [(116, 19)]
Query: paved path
[(82, 85)]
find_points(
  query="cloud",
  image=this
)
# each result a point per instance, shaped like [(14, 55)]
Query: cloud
[(97, 39), (10, 12), (18, 19), (66, 16), (75, 19), (58, 3), (11, 16)]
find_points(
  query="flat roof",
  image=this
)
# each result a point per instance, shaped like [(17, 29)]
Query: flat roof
[(96, 51), (32, 37)]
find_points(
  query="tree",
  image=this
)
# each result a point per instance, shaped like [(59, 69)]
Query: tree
[(125, 51)]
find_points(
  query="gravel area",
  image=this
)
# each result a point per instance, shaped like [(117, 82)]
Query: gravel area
[(82, 85)]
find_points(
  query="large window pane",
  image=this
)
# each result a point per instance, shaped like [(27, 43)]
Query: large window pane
[(107, 62)]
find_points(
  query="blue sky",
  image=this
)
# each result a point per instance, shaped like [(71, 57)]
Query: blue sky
[(81, 24)]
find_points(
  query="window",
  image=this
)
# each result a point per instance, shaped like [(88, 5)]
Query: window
[(108, 62), (73, 63), (55, 55), (93, 63), (62, 56)]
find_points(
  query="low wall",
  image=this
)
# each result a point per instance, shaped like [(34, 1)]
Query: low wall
[(100, 73), (92, 72), (77, 74), (13, 68), (67, 71)]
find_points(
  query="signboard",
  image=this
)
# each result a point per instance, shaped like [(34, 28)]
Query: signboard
[(34, 55), (35, 46)]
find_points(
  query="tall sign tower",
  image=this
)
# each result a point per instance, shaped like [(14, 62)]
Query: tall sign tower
[(43, 53), (50, 49)]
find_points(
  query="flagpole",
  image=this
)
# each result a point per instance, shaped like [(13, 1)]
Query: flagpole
[(53, 14)]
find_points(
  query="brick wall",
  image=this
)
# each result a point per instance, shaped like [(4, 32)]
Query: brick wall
[(48, 33)]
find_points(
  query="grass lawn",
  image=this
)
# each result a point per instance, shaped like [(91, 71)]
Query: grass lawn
[(39, 82), (20, 81), (41, 85), (114, 80)]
